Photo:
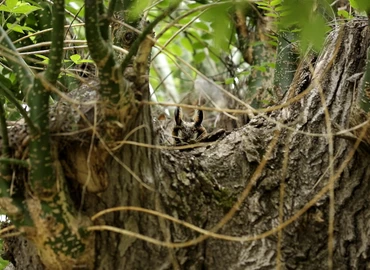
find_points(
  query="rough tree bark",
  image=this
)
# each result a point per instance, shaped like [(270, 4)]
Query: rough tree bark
[(201, 185)]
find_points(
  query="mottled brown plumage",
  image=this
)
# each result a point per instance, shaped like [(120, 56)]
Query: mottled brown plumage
[(188, 132)]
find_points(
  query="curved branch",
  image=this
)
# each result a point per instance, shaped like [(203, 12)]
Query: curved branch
[(56, 49), (102, 53), (9, 95), (98, 47)]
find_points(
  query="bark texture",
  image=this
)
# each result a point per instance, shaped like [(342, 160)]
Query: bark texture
[(201, 185)]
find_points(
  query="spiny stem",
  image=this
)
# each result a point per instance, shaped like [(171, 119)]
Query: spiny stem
[(9, 95)]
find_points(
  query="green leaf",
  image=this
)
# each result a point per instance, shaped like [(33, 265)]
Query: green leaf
[(185, 20), (138, 8), (344, 14), (260, 68), (220, 22), (186, 44), (25, 9), (275, 2), (229, 81), (296, 11), (266, 8), (15, 27), (361, 5), (5, 8), (281, 8), (194, 5), (199, 57), (19, 28), (262, 3), (13, 77), (7, 82), (198, 45), (206, 36), (245, 73), (26, 28), (11, 3), (201, 25), (75, 58), (273, 15), (271, 65), (175, 49), (314, 33), (273, 37)]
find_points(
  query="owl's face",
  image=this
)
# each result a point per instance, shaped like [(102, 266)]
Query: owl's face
[(188, 132)]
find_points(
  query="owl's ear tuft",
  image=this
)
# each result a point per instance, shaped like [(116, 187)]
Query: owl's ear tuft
[(178, 116), (198, 118)]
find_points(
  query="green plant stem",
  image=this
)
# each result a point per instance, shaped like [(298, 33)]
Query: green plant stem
[(42, 175), (44, 19), (286, 61), (102, 53), (46, 177), (111, 8), (42, 178), (14, 161), (57, 38), (104, 22), (9, 95), (99, 49)]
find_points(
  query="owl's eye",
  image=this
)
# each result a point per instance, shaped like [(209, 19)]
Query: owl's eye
[(128, 36)]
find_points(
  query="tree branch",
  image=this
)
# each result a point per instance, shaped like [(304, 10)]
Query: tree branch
[(148, 30), (14, 161), (102, 53), (111, 8), (104, 22), (286, 62), (42, 176), (56, 48), (99, 49)]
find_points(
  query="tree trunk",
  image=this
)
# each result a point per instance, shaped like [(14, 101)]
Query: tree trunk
[(201, 185)]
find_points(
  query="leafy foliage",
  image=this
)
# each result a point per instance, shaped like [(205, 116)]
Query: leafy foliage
[(18, 7), (3, 263), (203, 36), (361, 5)]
